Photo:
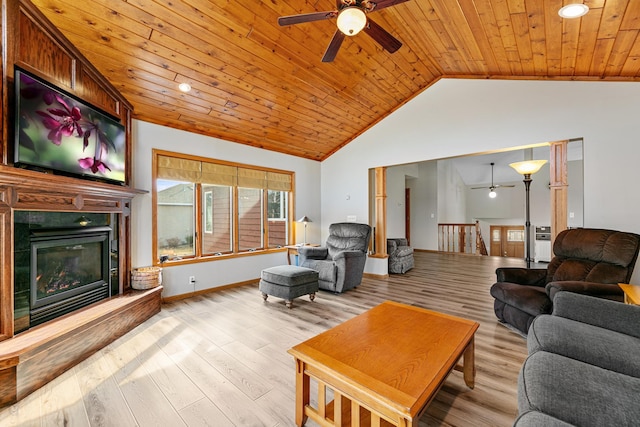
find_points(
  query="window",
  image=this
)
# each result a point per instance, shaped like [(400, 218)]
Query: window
[(205, 208), (175, 213), (277, 208)]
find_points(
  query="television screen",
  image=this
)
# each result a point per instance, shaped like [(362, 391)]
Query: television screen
[(59, 133)]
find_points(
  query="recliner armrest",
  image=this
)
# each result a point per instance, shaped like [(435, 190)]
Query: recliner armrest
[(349, 254), (313, 252), (602, 290), (522, 276), (607, 314)]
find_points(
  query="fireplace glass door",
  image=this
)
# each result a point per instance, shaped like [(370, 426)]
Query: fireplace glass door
[(69, 269)]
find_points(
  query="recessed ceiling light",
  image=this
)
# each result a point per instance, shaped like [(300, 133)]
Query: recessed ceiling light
[(185, 87), (575, 10)]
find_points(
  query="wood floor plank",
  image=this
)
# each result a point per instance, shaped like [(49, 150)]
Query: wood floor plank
[(204, 413), (148, 404), (102, 397), (220, 359), (61, 402)]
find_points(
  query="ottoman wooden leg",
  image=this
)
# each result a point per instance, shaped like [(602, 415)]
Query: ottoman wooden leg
[(312, 296), (288, 302), (264, 296)]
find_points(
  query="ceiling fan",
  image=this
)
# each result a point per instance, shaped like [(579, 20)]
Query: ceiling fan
[(352, 18), (492, 187)]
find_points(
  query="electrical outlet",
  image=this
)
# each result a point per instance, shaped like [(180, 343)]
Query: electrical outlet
[(192, 279)]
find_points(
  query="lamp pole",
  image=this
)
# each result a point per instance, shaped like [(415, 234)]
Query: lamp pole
[(527, 222), (526, 169), (305, 233)]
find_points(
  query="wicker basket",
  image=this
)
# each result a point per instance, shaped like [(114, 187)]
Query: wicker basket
[(146, 277)]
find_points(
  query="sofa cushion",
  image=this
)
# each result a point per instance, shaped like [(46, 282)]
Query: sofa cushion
[(348, 237), (593, 255), (539, 419), (576, 392), (590, 344)]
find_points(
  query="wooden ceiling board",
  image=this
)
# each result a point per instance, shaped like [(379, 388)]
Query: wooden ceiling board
[(256, 83)]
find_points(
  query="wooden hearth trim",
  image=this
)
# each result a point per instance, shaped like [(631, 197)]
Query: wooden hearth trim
[(35, 357)]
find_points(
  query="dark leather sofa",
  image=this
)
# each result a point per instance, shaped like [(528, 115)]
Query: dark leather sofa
[(588, 261)]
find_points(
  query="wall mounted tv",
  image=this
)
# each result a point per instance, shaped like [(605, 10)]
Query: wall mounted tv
[(56, 132)]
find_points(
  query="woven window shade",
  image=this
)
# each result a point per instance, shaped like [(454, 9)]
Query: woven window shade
[(278, 181), (252, 178), (219, 174), (179, 169)]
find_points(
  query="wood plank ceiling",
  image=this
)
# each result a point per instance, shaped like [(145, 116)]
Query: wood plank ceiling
[(260, 84)]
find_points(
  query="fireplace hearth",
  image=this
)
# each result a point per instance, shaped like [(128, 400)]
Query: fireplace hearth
[(61, 266)]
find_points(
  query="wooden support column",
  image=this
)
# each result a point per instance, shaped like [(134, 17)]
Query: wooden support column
[(381, 212), (559, 187)]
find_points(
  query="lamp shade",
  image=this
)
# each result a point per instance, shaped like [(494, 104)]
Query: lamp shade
[(493, 194), (351, 20), (528, 167), (305, 219)]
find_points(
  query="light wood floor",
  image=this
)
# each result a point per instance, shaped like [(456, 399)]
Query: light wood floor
[(220, 359)]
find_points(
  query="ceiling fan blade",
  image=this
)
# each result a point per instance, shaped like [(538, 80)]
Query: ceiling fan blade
[(306, 17), (379, 34), (334, 46), (505, 186), (381, 4), (481, 188)]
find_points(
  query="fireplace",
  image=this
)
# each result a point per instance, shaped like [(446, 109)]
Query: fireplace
[(69, 270), (62, 264)]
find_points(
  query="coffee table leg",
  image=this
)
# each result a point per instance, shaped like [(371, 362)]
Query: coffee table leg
[(469, 365), (302, 393)]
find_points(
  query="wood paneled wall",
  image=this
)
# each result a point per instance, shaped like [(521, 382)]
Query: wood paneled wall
[(31, 42)]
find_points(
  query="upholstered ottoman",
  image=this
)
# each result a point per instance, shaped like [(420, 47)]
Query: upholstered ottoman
[(288, 282)]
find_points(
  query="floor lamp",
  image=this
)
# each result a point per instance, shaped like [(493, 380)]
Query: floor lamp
[(305, 219), (527, 168)]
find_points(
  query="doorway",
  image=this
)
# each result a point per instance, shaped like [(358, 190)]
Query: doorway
[(507, 241)]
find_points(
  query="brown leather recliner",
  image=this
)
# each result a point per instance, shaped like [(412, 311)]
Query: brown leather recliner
[(587, 261)]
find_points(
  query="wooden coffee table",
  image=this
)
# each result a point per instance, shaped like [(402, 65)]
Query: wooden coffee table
[(384, 366)]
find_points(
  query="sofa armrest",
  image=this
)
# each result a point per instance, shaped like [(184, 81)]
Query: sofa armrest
[(521, 276), (607, 314), (602, 290), (312, 252)]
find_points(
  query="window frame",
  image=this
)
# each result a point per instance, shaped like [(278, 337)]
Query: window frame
[(199, 207)]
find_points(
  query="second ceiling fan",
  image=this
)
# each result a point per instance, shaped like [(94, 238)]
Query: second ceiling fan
[(352, 18), (492, 187)]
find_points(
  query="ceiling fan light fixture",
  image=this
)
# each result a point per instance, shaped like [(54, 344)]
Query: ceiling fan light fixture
[(492, 193), (351, 20), (574, 10)]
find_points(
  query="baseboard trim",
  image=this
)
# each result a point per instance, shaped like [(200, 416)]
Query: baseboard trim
[(375, 276), (208, 290)]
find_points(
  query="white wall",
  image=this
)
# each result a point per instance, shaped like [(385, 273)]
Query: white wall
[(148, 136), (452, 201), (397, 179), (456, 117)]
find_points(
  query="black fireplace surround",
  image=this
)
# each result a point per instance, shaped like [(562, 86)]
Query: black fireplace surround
[(63, 262)]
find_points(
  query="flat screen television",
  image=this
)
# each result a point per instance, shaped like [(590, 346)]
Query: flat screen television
[(57, 132)]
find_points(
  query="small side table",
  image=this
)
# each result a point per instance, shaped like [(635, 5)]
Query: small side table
[(293, 250), (631, 293)]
